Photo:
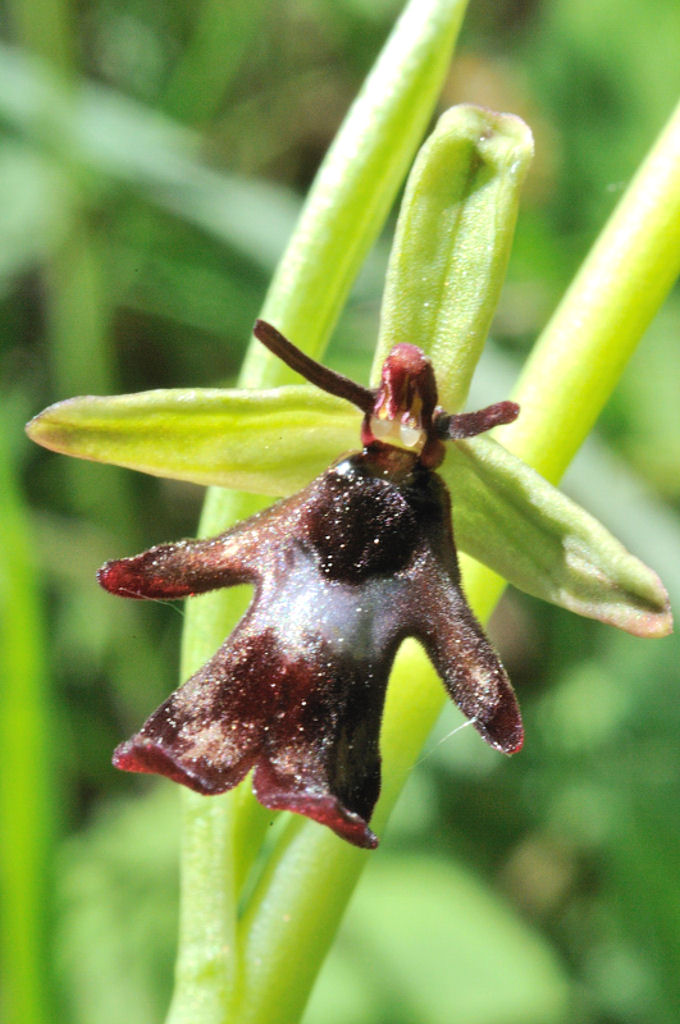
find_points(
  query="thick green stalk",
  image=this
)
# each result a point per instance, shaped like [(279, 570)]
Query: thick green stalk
[(342, 216), (26, 801), (303, 895), (77, 325), (590, 338), (222, 33)]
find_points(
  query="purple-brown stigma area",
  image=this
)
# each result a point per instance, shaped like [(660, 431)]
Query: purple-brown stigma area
[(343, 572), (403, 410), (404, 406)]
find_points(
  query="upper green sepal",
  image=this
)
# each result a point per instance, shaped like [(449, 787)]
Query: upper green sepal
[(263, 442), (452, 243)]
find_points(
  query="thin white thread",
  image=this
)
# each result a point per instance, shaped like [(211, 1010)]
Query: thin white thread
[(463, 725), (168, 602)]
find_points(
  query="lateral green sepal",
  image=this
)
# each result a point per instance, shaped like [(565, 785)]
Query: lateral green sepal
[(264, 442), (509, 517)]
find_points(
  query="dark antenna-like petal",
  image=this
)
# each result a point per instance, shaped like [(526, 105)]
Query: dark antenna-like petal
[(469, 424), (328, 380)]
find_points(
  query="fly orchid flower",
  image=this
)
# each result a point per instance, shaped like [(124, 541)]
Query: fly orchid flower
[(343, 572)]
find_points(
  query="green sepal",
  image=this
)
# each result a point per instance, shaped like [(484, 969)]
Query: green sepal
[(509, 517), (270, 441), (452, 243)]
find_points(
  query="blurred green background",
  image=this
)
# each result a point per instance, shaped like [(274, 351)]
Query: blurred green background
[(153, 156)]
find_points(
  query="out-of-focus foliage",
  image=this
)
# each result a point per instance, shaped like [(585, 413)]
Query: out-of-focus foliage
[(151, 163)]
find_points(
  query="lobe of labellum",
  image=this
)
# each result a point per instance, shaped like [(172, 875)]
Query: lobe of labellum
[(327, 810)]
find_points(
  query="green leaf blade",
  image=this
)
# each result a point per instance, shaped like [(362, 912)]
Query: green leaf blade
[(507, 516)]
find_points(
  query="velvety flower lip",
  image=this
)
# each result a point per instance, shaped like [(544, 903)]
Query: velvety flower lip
[(343, 572)]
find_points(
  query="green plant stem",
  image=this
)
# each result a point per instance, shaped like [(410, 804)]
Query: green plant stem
[(222, 34), (341, 218), (582, 351), (26, 799), (78, 316), (301, 899)]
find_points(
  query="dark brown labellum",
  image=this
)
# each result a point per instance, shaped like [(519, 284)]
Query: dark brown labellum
[(343, 572)]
